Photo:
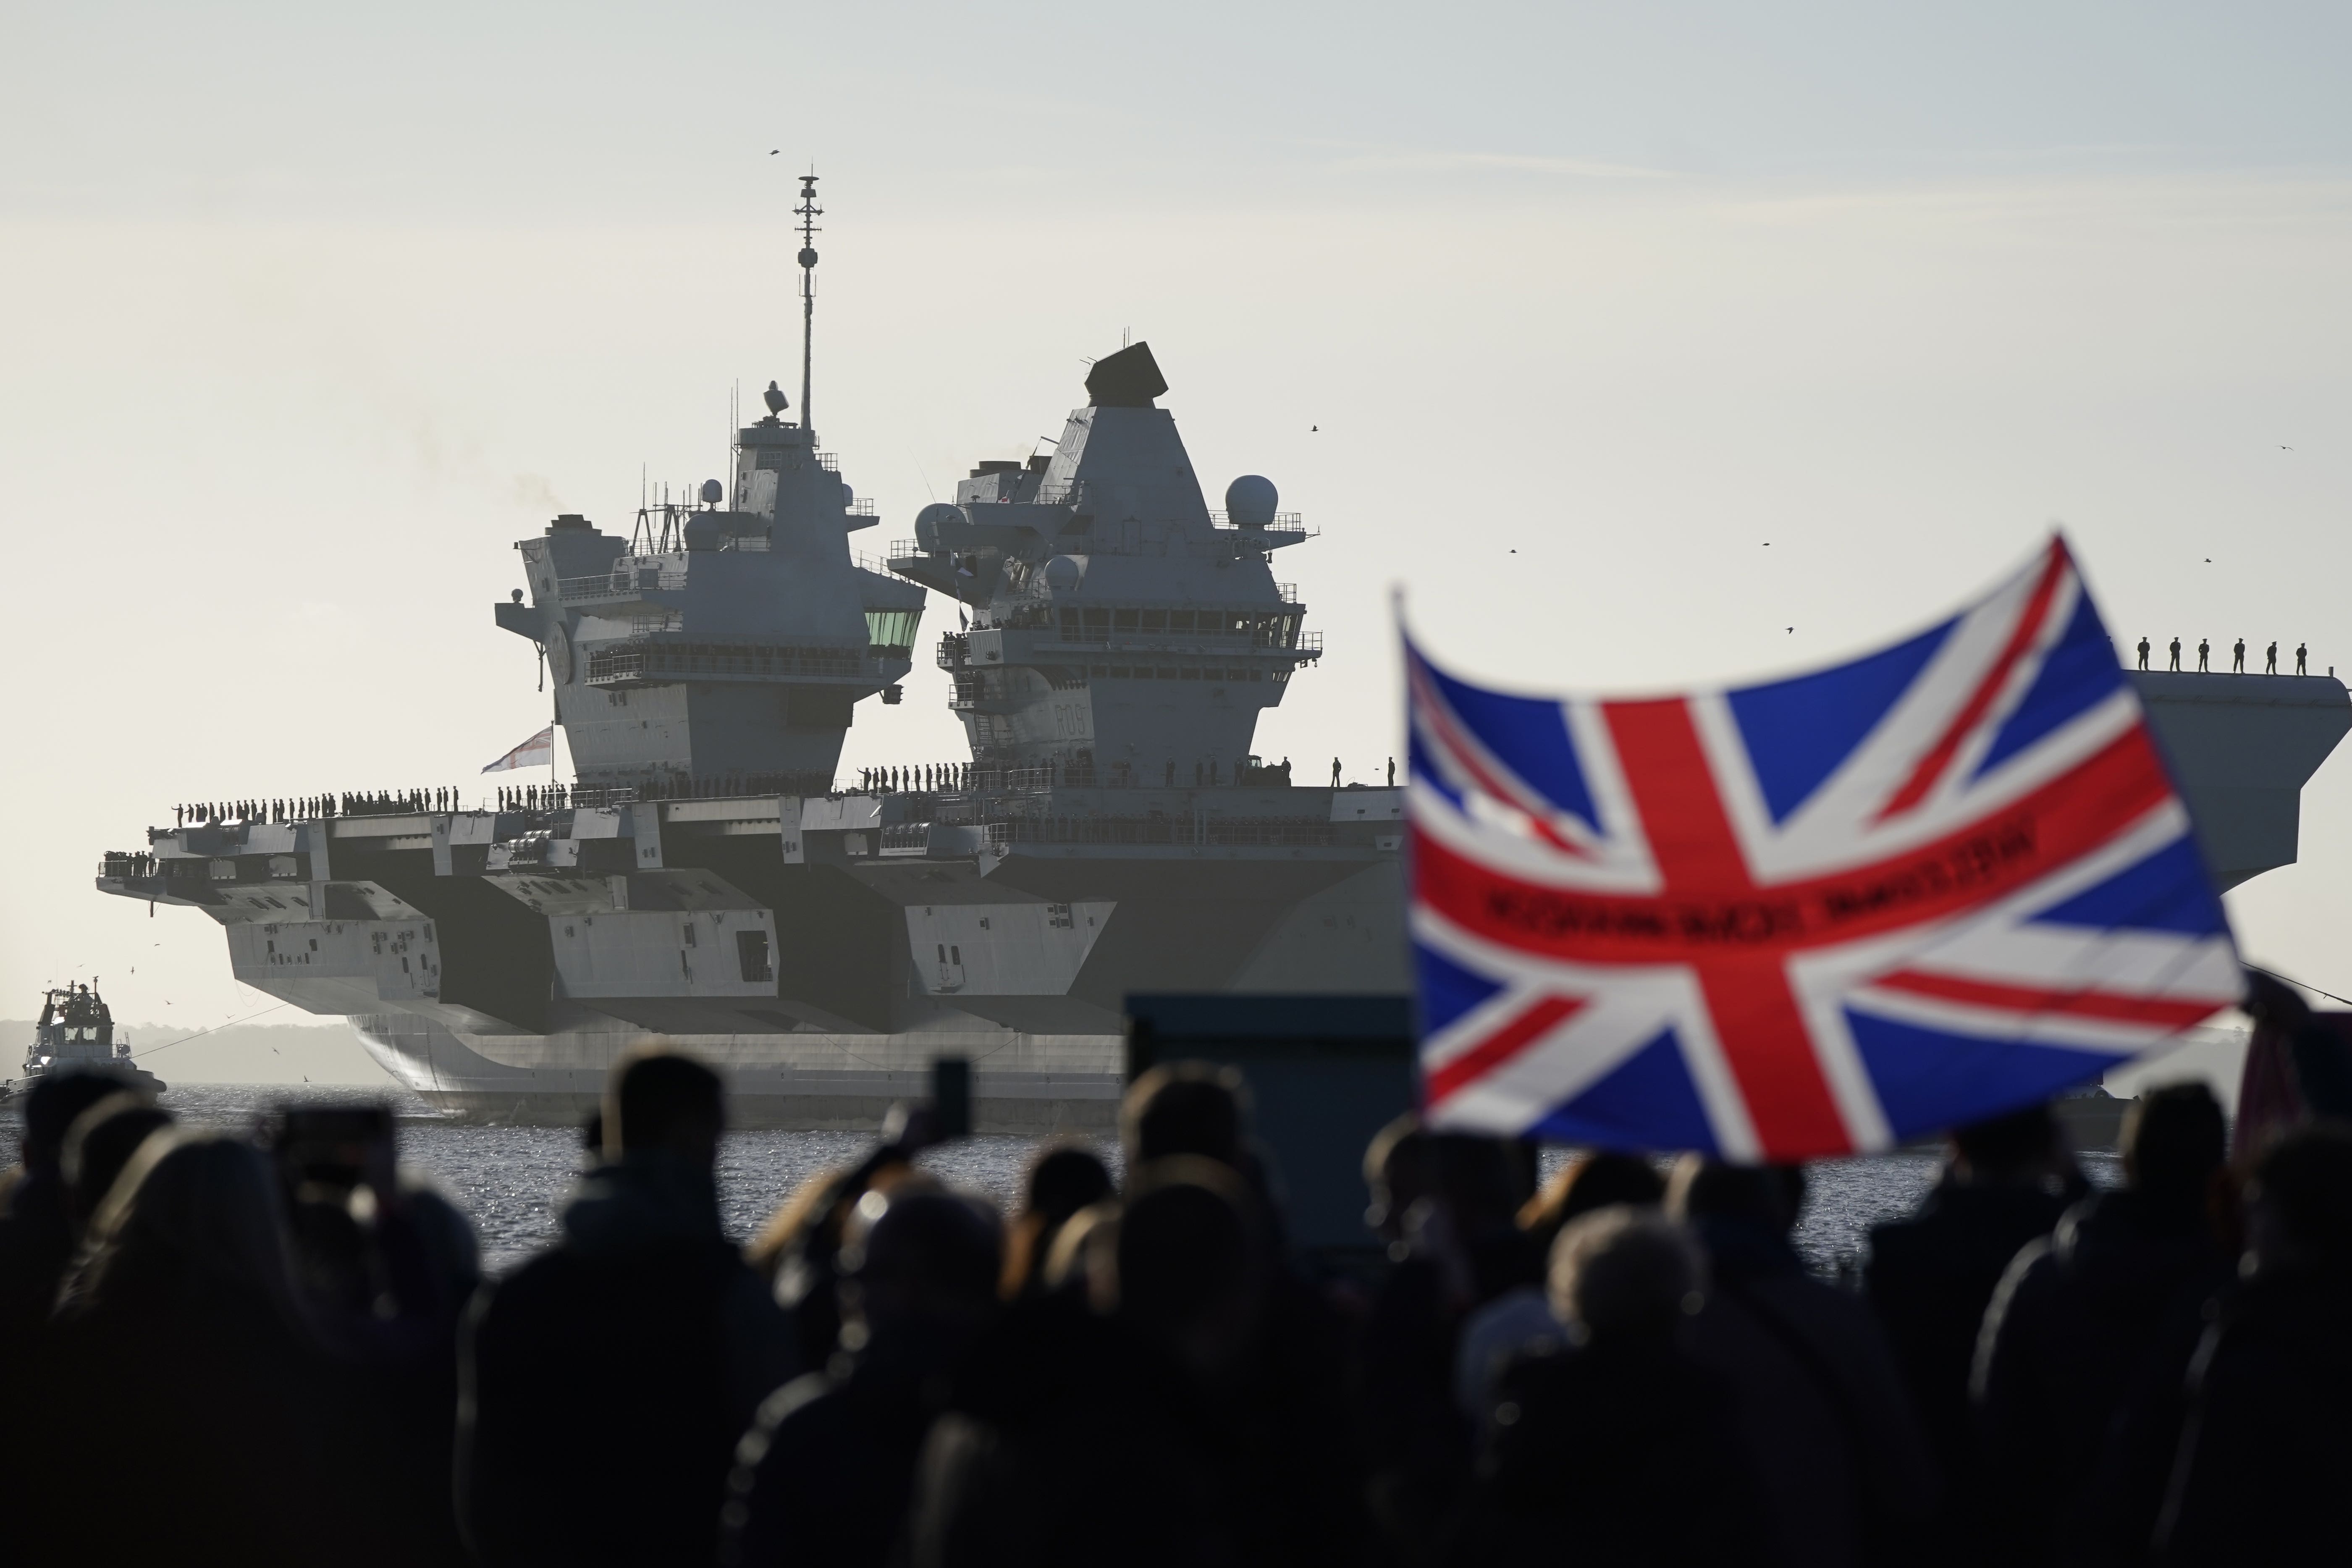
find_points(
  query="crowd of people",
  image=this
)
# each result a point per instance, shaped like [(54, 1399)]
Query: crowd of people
[(311, 807), (280, 1350)]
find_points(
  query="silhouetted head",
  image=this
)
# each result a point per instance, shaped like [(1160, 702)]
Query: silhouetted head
[(1184, 1108), (2299, 1205), (2174, 1139), (920, 1257), (192, 1222), (2017, 1147), (663, 1100), (1065, 1179), (1184, 1266), (1766, 1197), (1590, 1181), (53, 1102), (1397, 1170), (1623, 1272), (101, 1142)]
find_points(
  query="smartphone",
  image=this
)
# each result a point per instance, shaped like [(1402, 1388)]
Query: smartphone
[(952, 1094)]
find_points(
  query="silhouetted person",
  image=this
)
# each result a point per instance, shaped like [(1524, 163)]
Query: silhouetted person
[(1063, 1180), (1446, 1205), (1391, 772), (824, 1473), (2204, 649), (183, 1331), (1618, 1449), (2236, 1449), (1183, 1108), (1521, 1319), (2176, 653), (1160, 1426), (1929, 1278), (607, 1379), (37, 1236), (1843, 1465), (2269, 659), (1335, 773), (2080, 1311), (2238, 658), (98, 1146), (2143, 653), (2302, 652)]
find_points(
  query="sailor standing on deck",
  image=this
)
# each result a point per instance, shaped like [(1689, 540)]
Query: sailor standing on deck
[(2143, 653)]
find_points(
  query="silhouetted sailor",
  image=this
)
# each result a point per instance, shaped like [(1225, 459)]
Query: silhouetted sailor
[(2238, 658), (2143, 653), (1335, 773), (2176, 653), (2270, 660), (2301, 652), (2204, 650)]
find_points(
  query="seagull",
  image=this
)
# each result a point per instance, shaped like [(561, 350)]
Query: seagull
[(2286, 448), (1311, 429), (1793, 631)]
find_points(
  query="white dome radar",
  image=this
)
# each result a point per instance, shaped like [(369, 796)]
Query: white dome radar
[(1062, 574), (1250, 502)]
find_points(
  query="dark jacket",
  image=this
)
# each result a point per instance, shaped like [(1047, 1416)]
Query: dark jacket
[(605, 1382), (2258, 1475), (1626, 1452), (824, 1473), (2071, 1326), (1844, 1467), (1929, 1280)]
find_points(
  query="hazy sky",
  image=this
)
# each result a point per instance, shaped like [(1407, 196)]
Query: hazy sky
[(310, 312)]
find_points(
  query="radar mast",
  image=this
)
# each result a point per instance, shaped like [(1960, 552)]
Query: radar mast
[(808, 212)]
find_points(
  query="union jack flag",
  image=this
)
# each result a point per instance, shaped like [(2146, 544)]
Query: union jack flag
[(1818, 916)]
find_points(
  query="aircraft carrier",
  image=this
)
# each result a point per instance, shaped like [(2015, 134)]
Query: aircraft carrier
[(708, 880)]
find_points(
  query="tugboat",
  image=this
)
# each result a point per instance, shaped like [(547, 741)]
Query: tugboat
[(76, 1033)]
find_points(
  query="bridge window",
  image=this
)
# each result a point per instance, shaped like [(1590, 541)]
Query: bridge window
[(1123, 620), (1180, 620), (892, 628), (1098, 624), (1155, 620)]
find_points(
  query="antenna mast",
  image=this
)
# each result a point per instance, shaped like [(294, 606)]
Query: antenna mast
[(808, 212)]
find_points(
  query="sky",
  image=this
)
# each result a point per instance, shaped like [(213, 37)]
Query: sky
[(1549, 316)]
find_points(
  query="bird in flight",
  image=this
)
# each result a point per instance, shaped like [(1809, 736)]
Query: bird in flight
[(1793, 631)]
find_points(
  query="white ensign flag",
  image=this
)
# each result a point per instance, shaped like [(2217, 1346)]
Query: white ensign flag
[(539, 752)]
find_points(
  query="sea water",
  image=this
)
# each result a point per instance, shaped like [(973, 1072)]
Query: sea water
[(512, 1181)]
